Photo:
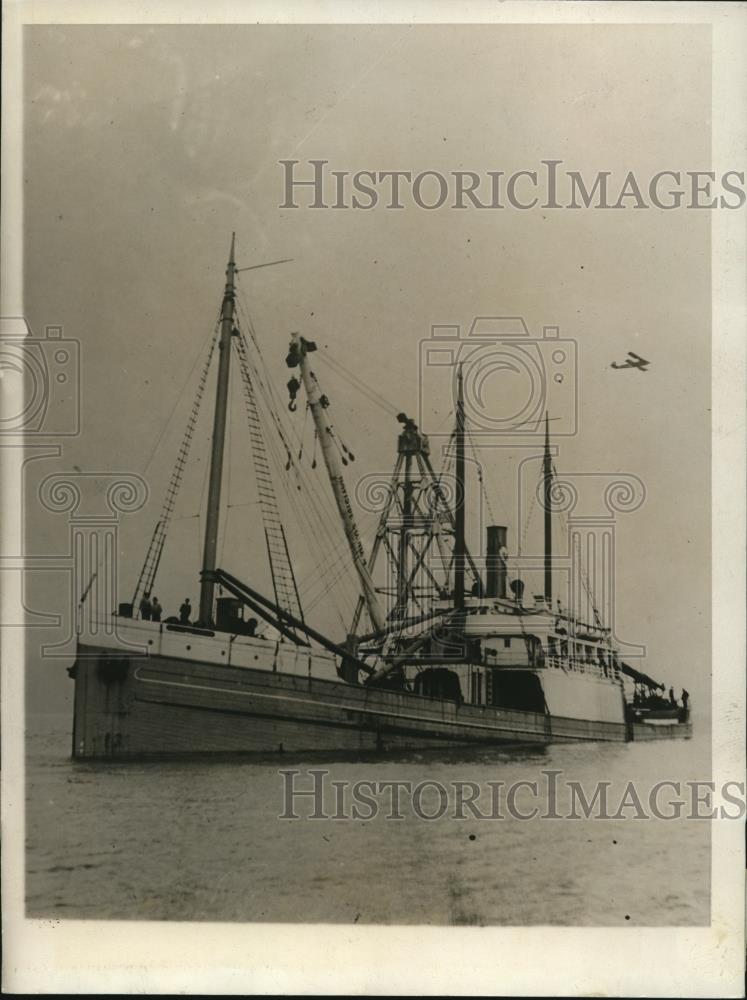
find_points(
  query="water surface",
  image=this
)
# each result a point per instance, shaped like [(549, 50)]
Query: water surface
[(202, 840)]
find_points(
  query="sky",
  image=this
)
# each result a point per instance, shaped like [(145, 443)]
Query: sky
[(145, 147)]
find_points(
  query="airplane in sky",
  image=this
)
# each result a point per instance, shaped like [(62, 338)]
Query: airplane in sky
[(632, 361)]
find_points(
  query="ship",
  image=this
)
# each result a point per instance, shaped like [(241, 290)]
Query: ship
[(444, 653)]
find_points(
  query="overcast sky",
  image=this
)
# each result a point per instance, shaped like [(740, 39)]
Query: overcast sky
[(144, 149)]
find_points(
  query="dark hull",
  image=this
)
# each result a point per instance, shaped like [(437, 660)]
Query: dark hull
[(162, 706)]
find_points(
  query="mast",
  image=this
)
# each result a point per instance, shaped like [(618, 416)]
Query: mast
[(459, 539), (207, 587), (318, 405), (402, 568), (547, 494)]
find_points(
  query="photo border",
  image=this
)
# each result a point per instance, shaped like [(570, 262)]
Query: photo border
[(74, 956)]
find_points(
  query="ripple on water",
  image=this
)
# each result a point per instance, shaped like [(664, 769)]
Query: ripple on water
[(189, 840)]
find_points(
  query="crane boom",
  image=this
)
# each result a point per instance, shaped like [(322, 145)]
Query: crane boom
[(298, 358)]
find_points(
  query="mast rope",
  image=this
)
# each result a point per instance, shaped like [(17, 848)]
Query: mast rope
[(328, 548), (448, 460), (275, 407), (303, 431), (147, 578), (346, 455), (283, 578), (526, 527), (224, 522), (314, 532), (480, 479), (311, 514), (357, 383), (341, 573), (582, 572), (211, 336)]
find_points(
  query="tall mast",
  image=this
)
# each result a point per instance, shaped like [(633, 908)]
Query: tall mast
[(317, 404), (547, 494), (219, 439), (402, 568), (459, 539)]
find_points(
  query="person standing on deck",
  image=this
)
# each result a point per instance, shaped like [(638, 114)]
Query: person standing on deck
[(184, 612), (146, 608), (685, 698), (672, 698), (156, 610)]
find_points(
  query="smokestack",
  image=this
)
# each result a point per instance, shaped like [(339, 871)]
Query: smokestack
[(495, 563)]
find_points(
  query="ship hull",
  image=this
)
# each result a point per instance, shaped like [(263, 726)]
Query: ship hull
[(165, 705), (642, 731)]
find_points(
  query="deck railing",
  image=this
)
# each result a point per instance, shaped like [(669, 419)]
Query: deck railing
[(582, 666)]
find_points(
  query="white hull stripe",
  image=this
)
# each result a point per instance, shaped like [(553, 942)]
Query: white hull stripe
[(361, 711), (325, 704)]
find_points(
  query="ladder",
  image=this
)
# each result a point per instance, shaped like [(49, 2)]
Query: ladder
[(147, 577), (283, 579)]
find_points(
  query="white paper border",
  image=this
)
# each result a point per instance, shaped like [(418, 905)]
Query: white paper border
[(130, 956)]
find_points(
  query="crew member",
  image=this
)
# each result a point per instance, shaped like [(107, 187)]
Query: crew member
[(156, 610), (184, 612), (146, 608)]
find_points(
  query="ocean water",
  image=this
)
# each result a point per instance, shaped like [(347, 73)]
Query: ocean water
[(203, 840)]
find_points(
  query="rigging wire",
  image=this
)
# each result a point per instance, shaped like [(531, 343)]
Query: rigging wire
[(332, 563), (281, 568), (327, 549), (303, 431), (585, 583), (229, 444), (303, 481), (317, 535), (522, 541), (342, 572), (311, 534), (480, 478), (275, 406), (149, 570), (358, 383), (200, 512), (168, 420)]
